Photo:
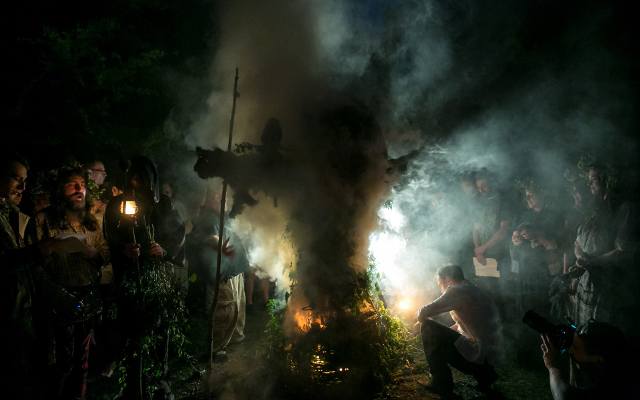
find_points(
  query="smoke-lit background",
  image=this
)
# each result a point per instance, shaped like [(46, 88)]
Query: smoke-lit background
[(522, 88), (384, 106)]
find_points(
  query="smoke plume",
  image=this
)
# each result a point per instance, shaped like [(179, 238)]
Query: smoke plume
[(521, 89)]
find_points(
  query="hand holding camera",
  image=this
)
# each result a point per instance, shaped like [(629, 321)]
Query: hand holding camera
[(558, 337), (550, 353)]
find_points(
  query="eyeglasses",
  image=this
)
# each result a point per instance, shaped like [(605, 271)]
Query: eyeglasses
[(100, 171)]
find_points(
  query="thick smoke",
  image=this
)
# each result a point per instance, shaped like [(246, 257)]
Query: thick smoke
[(517, 112), (321, 209), (273, 46), (269, 244), (521, 89)]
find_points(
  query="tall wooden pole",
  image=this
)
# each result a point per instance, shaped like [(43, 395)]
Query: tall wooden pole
[(223, 201)]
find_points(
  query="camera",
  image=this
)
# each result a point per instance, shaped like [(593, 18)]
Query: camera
[(561, 335)]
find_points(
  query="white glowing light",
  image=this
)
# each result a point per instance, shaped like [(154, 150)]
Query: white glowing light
[(387, 249), (392, 217), (129, 207), (405, 304)]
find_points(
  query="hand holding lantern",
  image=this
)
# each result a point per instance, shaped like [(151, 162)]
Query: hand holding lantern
[(129, 210)]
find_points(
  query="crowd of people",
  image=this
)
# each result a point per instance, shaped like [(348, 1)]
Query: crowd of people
[(80, 251), (569, 257), (94, 265)]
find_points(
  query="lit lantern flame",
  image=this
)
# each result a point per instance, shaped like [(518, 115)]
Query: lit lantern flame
[(129, 207)]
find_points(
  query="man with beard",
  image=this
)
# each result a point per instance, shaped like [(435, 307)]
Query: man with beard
[(604, 248), (70, 303)]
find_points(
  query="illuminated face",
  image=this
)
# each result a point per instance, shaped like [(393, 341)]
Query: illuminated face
[(97, 173), (443, 283), (115, 191), (13, 185), (75, 192), (596, 184)]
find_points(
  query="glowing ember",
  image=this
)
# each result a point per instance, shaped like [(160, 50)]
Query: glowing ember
[(322, 366)]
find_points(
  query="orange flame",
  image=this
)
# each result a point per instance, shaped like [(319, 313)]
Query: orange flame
[(306, 319)]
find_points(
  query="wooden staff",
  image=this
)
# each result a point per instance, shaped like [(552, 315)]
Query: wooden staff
[(221, 226)]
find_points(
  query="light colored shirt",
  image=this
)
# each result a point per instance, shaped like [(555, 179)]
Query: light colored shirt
[(72, 270), (476, 317)]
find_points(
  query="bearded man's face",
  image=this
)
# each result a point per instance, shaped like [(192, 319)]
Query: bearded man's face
[(13, 185), (75, 192)]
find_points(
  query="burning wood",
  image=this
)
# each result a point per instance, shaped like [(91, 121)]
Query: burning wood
[(307, 319)]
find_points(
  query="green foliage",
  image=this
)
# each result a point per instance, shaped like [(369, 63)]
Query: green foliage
[(162, 317), (391, 342), (103, 79), (358, 349), (276, 339), (95, 191)]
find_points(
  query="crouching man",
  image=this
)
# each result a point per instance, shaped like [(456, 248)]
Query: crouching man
[(470, 344)]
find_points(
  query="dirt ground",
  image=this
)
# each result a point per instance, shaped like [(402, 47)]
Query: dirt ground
[(243, 375)]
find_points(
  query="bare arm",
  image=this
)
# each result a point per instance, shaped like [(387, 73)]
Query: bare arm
[(446, 302), (476, 236), (499, 235), (550, 356), (559, 388)]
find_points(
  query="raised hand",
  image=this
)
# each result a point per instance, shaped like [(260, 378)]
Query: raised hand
[(550, 353)]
